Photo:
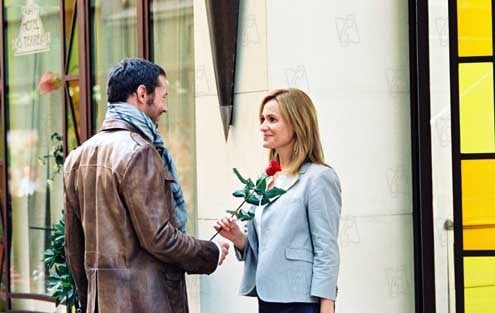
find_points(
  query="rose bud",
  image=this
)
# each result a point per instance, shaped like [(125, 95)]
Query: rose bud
[(272, 168)]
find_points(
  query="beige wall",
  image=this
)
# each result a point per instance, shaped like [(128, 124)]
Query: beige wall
[(352, 58), (215, 156)]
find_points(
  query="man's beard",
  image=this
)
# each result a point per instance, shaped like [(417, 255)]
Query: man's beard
[(150, 100), (149, 103)]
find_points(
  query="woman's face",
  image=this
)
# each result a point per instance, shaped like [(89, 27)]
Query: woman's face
[(277, 133)]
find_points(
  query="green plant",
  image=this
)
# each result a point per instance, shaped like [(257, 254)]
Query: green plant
[(256, 194), (59, 281), (57, 153)]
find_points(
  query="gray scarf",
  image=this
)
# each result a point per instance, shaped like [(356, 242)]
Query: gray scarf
[(132, 115)]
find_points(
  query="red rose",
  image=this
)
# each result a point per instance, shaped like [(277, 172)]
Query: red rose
[(49, 81), (272, 168), (255, 194)]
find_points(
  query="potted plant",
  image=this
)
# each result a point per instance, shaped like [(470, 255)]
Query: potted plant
[(60, 281)]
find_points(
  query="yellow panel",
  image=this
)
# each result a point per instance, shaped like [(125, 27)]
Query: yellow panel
[(481, 237), (478, 203), (479, 284), (474, 26), (476, 107)]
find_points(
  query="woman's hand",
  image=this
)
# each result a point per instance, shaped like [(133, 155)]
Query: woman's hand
[(327, 306), (227, 228)]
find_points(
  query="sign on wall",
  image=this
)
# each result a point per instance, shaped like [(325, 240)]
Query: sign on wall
[(32, 37)]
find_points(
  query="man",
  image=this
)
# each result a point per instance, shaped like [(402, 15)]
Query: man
[(124, 209)]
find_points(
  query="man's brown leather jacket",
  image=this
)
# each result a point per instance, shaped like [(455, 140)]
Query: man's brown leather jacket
[(121, 243)]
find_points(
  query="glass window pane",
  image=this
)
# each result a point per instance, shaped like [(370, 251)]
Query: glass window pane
[(474, 22), (34, 102), (476, 107), (113, 37), (2, 157), (173, 49), (71, 40), (478, 201), (73, 120), (479, 284), (70, 18), (2, 246), (479, 237), (73, 66), (37, 306)]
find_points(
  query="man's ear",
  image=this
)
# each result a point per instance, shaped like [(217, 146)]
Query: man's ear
[(141, 93)]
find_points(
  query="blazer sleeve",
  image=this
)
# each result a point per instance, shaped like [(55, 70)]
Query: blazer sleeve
[(242, 254), (149, 201), (250, 245), (324, 208)]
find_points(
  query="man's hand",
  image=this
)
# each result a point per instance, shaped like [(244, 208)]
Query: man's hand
[(224, 251), (228, 229)]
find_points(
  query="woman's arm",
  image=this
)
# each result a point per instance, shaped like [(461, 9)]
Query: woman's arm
[(327, 306), (324, 205), (229, 229)]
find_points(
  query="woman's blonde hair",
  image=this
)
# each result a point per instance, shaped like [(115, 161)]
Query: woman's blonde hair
[(298, 110)]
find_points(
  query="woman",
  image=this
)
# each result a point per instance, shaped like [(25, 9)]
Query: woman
[(290, 248)]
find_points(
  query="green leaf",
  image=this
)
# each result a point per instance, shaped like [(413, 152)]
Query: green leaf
[(265, 200), (59, 280), (232, 212), (239, 176), (274, 192), (249, 184), (261, 185), (253, 199), (246, 216), (239, 193), (59, 159), (56, 136), (237, 214), (241, 215)]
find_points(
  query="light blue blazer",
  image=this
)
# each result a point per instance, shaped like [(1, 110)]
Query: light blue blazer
[(297, 258)]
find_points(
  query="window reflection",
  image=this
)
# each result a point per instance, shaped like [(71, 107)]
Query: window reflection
[(34, 104), (173, 48), (114, 37)]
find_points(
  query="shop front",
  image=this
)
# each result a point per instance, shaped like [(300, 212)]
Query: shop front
[(404, 93), (56, 58)]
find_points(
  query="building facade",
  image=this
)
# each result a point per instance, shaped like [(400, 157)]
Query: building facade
[(404, 94)]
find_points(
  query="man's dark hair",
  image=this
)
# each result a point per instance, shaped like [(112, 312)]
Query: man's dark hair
[(125, 78)]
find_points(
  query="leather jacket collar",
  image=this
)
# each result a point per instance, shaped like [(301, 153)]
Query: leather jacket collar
[(115, 124)]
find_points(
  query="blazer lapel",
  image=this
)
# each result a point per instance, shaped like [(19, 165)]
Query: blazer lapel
[(287, 182), (290, 181), (253, 237)]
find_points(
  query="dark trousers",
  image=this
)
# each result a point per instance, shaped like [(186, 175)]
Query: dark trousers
[(295, 307)]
